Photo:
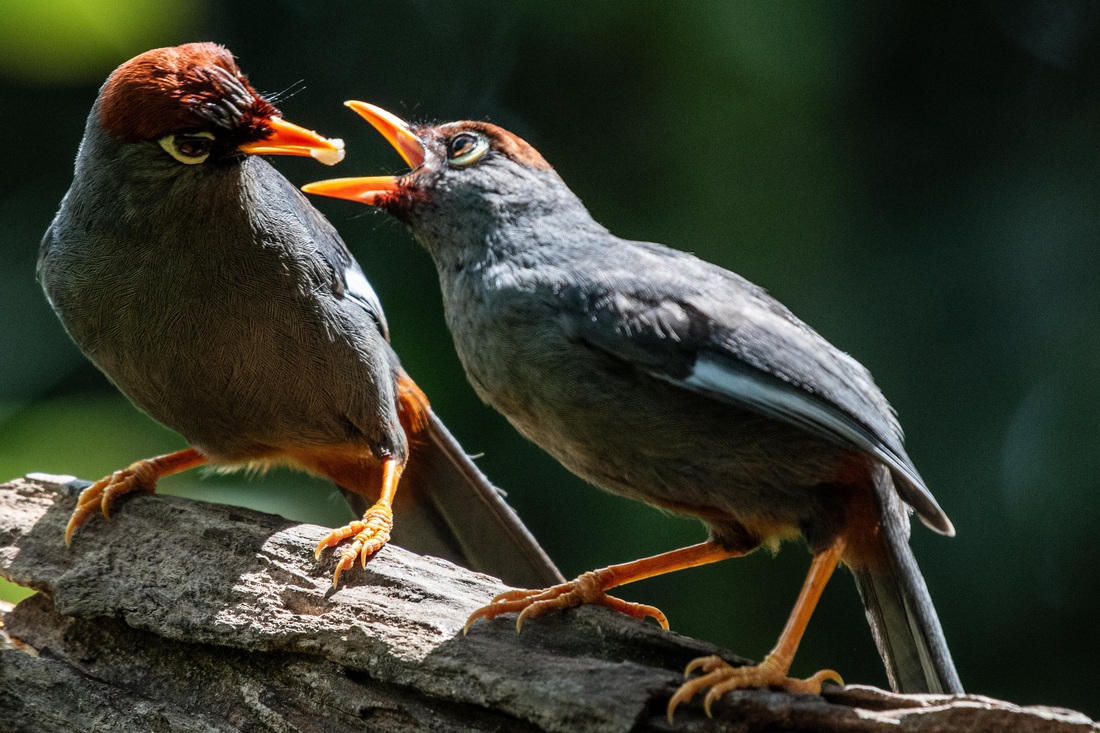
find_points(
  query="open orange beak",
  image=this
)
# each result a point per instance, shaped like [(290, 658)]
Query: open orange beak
[(286, 138), (369, 189)]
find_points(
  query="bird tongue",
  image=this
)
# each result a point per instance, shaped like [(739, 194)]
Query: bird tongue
[(286, 138)]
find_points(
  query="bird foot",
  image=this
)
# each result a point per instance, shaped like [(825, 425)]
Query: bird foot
[(369, 535), (140, 476), (722, 677), (587, 589)]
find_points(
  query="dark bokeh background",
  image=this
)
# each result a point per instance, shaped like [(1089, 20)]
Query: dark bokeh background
[(917, 180)]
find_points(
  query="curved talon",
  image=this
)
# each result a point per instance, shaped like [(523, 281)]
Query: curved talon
[(721, 677), (369, 535), (681, 695), (336, 575), (636, 610), (821, 677), (708, 701), (586, 589), (707, 664), (471, 618), (139, 477), (506, 602), (337, 536)]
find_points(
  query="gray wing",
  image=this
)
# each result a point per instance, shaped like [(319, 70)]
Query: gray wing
[(712, 332)]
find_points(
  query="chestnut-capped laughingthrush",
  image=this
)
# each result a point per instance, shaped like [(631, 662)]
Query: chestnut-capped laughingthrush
[(664, 378), (221, 303)]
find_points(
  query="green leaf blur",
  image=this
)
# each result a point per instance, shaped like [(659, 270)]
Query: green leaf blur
[(66, 41)]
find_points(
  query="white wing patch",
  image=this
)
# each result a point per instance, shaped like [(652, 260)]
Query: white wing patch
[(747, 386), (359, 288)]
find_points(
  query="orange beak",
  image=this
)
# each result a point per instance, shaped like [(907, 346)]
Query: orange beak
[(366, 190), (286, 138), (369, 189), (394, 129)]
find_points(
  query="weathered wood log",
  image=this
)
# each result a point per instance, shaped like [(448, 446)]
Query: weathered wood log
[(180, 615)]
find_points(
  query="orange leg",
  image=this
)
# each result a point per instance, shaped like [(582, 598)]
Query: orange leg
[(721, 677), (372, 532), (589, 588), (140, 476)]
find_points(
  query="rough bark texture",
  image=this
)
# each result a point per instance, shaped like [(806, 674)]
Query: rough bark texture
[(185, 616)]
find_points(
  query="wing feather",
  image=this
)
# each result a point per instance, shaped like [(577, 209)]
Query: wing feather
[(712, 332)]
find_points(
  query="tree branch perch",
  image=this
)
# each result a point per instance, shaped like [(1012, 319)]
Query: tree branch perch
[(180, 615)]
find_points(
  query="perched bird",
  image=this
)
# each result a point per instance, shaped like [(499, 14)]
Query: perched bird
[(221, 303), (663, 378)]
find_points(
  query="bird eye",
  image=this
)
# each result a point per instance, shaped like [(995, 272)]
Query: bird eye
[(466, 148), (190, 149)]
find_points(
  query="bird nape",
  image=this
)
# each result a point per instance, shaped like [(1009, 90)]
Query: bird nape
[(667, 379)]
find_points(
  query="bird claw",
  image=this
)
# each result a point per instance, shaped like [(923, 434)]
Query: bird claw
[(140, 476), (722, 677), (369, 535), (587, 589)]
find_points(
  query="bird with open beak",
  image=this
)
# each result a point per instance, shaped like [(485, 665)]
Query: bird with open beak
[(663, 378), (221, 303)]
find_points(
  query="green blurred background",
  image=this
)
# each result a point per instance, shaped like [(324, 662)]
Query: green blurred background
[(917, 180)]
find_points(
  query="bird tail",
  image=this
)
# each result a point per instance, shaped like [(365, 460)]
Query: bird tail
[(459, 515), (899, 609)]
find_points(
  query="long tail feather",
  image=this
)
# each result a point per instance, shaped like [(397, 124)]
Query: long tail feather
[(899, 608)]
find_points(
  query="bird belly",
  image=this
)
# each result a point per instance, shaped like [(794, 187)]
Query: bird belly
[(241, 378)]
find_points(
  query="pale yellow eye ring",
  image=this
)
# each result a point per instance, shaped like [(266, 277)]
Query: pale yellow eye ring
[(474, 153), (168, 142)]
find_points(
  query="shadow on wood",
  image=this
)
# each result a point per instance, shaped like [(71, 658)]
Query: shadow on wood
[(180, 615)]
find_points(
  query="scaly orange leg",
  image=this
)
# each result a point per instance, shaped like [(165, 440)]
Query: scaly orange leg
[(373, 531), (589, 588), (721, 677), (140, 476)]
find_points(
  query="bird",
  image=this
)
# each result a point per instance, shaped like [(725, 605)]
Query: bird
[(216, 298), (664, 378)]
